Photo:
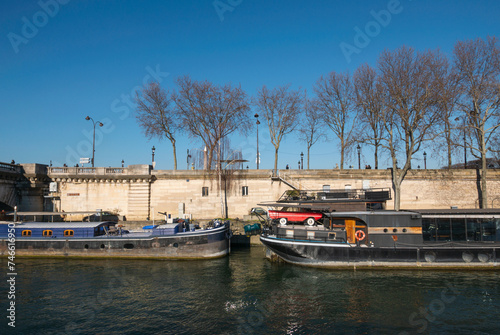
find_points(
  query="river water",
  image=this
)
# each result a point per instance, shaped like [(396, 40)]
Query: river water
[(245, 294)]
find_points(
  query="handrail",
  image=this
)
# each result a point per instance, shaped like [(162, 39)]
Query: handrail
[(373, 194), (10, 167), (86, 170)]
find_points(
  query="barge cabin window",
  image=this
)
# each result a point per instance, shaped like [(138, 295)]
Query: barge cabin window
[(26, 233), (47, 233), (461, 229), (69, 233)]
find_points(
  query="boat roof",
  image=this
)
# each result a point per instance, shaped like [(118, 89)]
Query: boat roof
[(458, 211), (59, 225), (380, 212)]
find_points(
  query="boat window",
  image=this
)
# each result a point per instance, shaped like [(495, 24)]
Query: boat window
[(26, 233), (473, 229), (204, 191), (310, 234), (47, 233), (332, 236), (443, 229), (489, 229), (458, 229), (69, 233), (429, 229), (338, 223)]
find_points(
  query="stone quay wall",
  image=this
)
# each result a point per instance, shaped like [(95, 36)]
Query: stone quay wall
[(138, 192)]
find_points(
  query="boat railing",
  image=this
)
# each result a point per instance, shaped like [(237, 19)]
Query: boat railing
[(371, 194), (311, 239)]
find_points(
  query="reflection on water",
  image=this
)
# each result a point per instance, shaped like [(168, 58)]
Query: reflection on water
[(246, 294)]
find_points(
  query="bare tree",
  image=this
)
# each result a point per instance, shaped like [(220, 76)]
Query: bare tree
[(156, 114), (412, 84), (211, 112), (477, 63), (335, 95), (281, 108), (312, 129), (447, 103), (370, 104)]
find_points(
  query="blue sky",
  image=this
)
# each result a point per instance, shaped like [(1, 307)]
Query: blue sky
[(61, 60)]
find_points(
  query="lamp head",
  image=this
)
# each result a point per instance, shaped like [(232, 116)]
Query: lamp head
[(87, 118)]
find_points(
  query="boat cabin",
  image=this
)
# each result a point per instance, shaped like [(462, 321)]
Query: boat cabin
[(59, 229)]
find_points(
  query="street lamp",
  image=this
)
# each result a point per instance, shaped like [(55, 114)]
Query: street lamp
[(302, 160), (359, 157), (425, 160), (153, 156), (187, 159), (93, 139), (299, 165), (123, 162), (257, 123)]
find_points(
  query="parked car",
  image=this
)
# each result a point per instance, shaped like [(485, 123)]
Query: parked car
[(284, 216), (103, 216), (258, 211)]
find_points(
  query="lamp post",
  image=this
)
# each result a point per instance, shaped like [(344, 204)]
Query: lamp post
[(257, 123), (359, 156), (299, 165), (123, 162), (302, 160), (93, 138), (153, 156), (187, 159), (425, 160)]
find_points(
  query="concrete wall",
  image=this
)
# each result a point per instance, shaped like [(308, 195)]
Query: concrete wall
[(138, 192)]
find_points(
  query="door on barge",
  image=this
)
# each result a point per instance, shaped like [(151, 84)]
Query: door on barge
[(355, 230)]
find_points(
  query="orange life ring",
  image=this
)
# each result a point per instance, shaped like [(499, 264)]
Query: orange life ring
[(360, 235)]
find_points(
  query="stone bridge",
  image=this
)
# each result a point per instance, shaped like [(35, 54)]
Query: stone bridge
[(23, 185)]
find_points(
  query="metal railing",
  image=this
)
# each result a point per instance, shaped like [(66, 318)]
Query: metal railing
[(10, 167), (371, 194)]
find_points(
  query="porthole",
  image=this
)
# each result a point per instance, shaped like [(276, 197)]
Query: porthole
[(86, 246), (102, 246), (128, 246), (404, 230), (394, 230), (176, 245), (385, 230)]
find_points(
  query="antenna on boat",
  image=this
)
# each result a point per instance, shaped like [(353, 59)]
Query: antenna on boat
[(15, 213)]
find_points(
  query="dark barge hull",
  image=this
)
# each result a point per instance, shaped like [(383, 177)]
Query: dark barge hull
[(206, 244), (344, 255)]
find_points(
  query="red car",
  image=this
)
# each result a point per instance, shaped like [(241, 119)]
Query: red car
[(306, 217)]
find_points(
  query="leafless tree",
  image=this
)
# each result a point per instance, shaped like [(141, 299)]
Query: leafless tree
[(447, 103), (156, 114), (211, 112), (477, 63), (370, 104), (312, 129), (412, 85), (336, 103), (281, 107)]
